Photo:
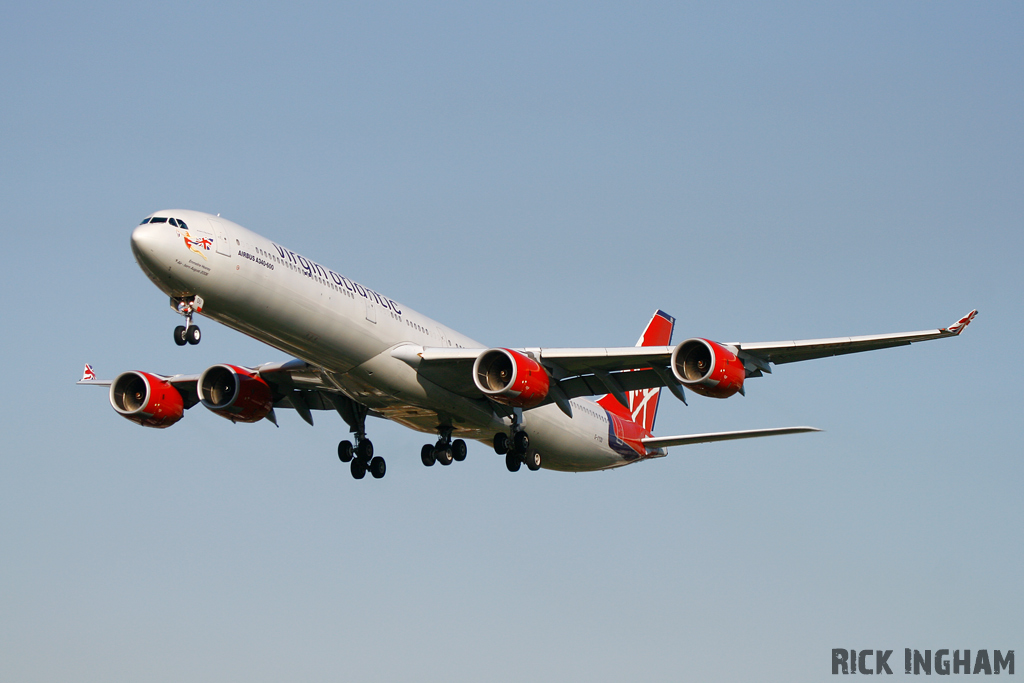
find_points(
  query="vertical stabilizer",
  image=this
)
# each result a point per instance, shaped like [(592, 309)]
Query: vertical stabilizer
[(643, 403)]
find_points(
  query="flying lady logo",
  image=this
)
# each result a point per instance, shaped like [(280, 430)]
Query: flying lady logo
[(195, 245)]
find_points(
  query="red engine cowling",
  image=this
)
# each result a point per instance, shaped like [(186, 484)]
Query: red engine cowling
[(146, 399), (708, 368), (235, 393), (509, 377)]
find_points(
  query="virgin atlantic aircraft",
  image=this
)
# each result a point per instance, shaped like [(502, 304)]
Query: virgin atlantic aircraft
[(362, 354)]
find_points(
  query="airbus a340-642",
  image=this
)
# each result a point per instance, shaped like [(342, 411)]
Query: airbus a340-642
[(362, 354)]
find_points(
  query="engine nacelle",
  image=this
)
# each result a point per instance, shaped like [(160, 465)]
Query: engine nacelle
[(511, 378), (708, 368), (235, 393), (146, 399)]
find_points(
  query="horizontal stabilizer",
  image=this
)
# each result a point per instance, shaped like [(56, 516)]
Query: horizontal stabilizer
[(686, 439)]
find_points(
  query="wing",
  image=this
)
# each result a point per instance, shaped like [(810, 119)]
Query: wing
[(593, 371), (294, 384)]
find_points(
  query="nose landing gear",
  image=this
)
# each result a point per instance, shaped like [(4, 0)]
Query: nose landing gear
[(187, 333)]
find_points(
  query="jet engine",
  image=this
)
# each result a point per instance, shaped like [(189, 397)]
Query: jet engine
[(235, 393), (146, 399), (511, 378), (708, 368)]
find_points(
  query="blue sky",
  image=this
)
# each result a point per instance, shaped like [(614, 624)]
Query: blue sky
[(536, 174)]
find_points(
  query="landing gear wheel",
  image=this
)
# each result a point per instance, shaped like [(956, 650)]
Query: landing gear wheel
[(533, 461), (358, 469), (179, 335), (345, 451), (521, 442), (427, 455), (459, 450), (193, 335), (378, 467), (501, 443), (443, 453), (513, 462), (364, 451)]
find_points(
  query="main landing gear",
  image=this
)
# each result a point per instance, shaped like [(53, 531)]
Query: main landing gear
[(361, 455), (516, 450), (445, 451), (362, 458), (187, 333)]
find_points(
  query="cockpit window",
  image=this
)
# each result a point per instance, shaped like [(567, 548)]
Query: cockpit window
[(177, 222)]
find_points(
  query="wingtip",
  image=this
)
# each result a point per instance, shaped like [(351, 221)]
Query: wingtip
[(962, 323)]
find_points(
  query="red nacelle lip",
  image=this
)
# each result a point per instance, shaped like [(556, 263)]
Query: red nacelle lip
[(235, 393), (146, 399), (511, 378), (708, 368)]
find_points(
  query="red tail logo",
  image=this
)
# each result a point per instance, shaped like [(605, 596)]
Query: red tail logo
[(643, 403)]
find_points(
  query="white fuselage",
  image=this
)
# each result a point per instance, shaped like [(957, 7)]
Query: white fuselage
[(283, 299)]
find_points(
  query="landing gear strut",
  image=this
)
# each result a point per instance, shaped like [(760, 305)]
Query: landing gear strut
[(187, 333), (445, 451), (361, 455)]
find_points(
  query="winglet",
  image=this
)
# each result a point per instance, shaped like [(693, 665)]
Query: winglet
[(89, 378), (959, 325)]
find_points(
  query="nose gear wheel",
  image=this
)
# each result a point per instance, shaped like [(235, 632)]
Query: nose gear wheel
[(187, 333)]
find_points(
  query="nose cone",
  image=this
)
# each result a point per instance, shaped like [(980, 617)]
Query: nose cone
[(149, 242), (146, 238)]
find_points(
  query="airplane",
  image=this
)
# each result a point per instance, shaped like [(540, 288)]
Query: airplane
[(362, 354)]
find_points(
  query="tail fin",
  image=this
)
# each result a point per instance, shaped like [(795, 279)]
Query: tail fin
[(643, 403)]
